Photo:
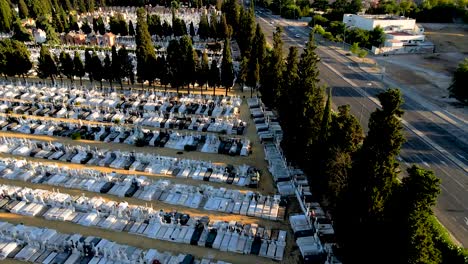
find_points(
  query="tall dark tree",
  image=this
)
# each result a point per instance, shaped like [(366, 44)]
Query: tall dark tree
[(145, 53), (203, 27), (78, 67), (231, 9), (458, 88), (246, 31), (288, 109), (344, 140), (214, 78), (311, 98), (89, 65), (192, 29), (419, 190), (17, 58), (98, 71), (131, 29), (86, 28), (108, 74), (23, 9), (204, 71), (271, 83), (227, 70), (214, 26), (66, 65), (6, 16), (46, 66), (222, 28), (374, 179), (116, 66), (126, 65), (175, 60), (20, 33)]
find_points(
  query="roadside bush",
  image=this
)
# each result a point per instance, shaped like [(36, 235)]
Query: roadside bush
[(319, 30), (328, 35), (362, 53), (319, 20)]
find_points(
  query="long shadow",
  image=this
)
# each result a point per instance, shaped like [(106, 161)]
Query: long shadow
[(355, 76), (344, 91)]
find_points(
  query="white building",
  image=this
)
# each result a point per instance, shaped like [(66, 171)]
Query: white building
[(401, 33), (39, 36)]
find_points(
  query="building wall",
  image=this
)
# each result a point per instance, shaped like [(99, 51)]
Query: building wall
[(406, 38), (369, 23)]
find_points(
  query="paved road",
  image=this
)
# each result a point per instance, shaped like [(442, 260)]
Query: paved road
[(431, 139)]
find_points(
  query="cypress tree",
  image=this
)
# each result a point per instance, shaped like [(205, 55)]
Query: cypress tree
[(227, 70), (97, 68), (46, 66), (204, 71), (203, 27), (18, 59), (222, 28), (23, 9), (89, 65), (126, 65), (214, 79), (116, 66), (231, 9), (419, 190), (288, 109), (146, 55), (78, 67), (192, 29), (131, 29), (374, 180), (108, 74), (66, 65), (271, 86), (6, 16), (214, 26), (175, 64), (246, 31), (310, 103)]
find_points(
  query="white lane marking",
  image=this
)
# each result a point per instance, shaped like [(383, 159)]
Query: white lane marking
[(466, 220), (461, 156), (427, 165), (443, 162)]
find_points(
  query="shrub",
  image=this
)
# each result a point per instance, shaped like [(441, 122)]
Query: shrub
[(362, 53), (140, 142), (327, 35), (116, 121), (319, 30), (76, 136)]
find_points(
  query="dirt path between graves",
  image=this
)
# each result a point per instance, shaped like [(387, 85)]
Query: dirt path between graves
[(256, 159), (134, 240), (154, 204)]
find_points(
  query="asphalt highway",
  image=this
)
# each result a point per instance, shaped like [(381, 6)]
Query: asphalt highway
[(434, 140)]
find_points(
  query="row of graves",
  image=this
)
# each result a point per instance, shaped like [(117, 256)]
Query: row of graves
[(44, 245), (200, 196), (150, 119), (175, 227), (313, 230)]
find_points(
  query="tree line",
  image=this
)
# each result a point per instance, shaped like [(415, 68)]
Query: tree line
[(377, 218)]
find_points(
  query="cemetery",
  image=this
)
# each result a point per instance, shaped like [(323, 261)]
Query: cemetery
[(172, 164)]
